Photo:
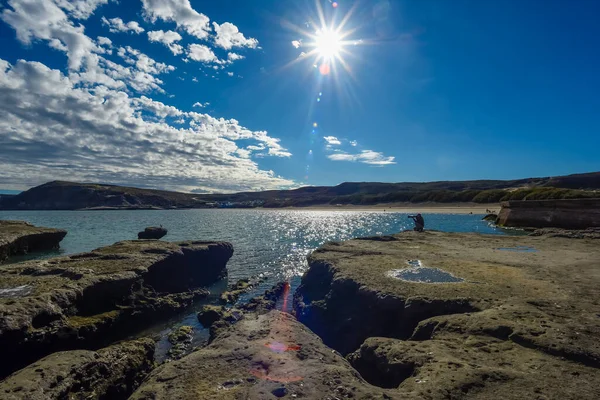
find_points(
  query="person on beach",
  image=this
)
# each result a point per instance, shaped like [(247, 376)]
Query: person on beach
[(419, 222)]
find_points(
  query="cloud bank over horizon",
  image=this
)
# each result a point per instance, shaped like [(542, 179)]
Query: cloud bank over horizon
[(97, 118)]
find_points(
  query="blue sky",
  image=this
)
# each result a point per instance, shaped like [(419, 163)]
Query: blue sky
[(224, 95)]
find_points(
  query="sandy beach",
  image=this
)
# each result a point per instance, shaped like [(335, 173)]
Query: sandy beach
[(424, 208)]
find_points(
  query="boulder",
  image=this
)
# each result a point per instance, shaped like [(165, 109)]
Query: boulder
[(91, 299), (566, 214), (152, 232), (19, 237), (110, 373), (261, 357), (471, 313)]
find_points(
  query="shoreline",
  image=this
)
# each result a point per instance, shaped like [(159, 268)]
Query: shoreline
[(423, 208)]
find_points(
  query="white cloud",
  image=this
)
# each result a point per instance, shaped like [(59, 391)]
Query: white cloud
[(229, 36), (52, 129), (201, 53), (230, 73), (201, 105), (353, 143), (104, 41), (80, 9), (44, 20), (168, 38), (366, 157), (332, 140), (297, 43), (194, 79), (180, 12), (234, 57), (117, 25)]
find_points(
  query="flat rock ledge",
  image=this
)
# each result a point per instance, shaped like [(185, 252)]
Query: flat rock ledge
[(524, 322), (110, 373), (90, 300), (19, 237)]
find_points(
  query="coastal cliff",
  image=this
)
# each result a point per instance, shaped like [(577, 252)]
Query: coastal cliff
[(19, 237), (566, 214), (92, 299)]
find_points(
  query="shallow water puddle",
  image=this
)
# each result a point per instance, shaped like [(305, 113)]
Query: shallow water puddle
[(18, 291), (418, 273), (519, 249)]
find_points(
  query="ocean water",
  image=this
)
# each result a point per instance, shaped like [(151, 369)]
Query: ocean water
[(272, 243), (268, 244)]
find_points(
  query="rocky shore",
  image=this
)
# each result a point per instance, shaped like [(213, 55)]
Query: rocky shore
[(19, 237), (520, 319), (90, 300), (411, 316)]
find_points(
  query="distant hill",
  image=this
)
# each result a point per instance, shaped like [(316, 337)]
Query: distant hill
[(60, 195)]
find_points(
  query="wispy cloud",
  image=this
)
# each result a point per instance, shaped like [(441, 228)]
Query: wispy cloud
[(366, 157), (332, 140)]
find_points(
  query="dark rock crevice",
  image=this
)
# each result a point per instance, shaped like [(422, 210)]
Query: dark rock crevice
[(344, 313)]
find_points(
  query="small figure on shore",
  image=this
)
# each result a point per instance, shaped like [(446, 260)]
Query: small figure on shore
[(419, 222)]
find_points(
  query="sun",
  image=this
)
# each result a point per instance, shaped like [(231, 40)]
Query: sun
[(328, 44)]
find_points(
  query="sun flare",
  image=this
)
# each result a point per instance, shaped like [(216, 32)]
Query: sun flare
[(328, 44)]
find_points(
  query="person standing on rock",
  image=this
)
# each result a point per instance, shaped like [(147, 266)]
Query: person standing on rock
[(419, 222)]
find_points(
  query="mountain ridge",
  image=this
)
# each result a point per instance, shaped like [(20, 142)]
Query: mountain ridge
[(64, 195)]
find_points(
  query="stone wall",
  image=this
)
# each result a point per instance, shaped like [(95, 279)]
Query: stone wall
[(567, 214)]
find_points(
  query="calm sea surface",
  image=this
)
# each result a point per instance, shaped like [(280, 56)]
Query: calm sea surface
[(271, 244)]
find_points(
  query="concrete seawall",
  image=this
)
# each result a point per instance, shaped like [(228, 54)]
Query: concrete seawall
[(567, 214)]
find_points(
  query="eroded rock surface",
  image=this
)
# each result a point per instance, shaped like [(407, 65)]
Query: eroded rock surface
[(110, 373), (526, 303), (88, 300), (19, 237), (263, 356)]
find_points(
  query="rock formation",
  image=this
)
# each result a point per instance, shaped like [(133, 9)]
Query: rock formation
[(88, 300), (263, 356), (523, 323), (152, 232), (110, 373), (19, 237), (567, 214)]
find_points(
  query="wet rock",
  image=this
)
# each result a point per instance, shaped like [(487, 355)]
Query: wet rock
[(110, 373), (152, 232), (18, 237), (209, 314), (266, 356), (235, 291), (518, 326), (181, 340), (490, 217), (92, 299)]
